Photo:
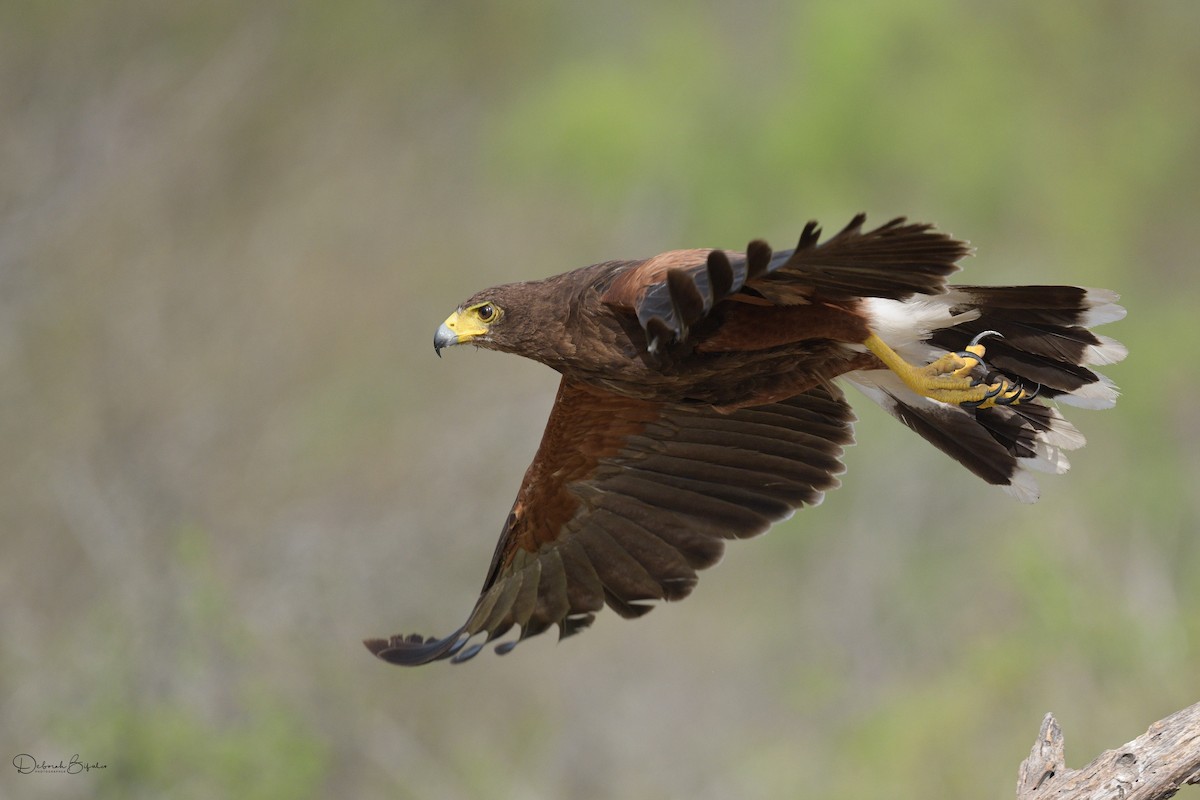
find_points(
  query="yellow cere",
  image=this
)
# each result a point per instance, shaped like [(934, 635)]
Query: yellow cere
[(471, 322)]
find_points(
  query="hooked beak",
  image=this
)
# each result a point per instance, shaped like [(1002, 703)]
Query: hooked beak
[(444, 338), (457, 329)]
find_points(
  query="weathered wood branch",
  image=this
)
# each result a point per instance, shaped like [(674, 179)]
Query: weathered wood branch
[(1151, 767)]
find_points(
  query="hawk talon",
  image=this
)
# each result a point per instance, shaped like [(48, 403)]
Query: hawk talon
[(1015, 392), (1006, 393), (990, 394), (1011, 398), (974, 352), (965, 354), (979, 337), (1018, 395)]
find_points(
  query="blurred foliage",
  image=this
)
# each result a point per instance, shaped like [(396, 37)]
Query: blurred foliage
[(205, 723), (227, 232)]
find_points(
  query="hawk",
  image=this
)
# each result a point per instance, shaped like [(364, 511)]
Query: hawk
[(699, 403)]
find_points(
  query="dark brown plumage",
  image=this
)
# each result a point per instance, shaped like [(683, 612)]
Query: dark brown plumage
[(697, 404)]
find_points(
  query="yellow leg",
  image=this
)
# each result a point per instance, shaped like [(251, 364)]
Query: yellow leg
[(949, 378)]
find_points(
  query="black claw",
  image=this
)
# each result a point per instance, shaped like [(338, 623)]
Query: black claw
[(977, 403), (1011, 398), (1001, 385), (979, 337), (1007, 392), (965, 354)]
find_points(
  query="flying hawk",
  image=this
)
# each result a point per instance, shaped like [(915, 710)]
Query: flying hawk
[(698, 403)]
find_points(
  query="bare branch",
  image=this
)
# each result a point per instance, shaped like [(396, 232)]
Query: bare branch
[(1151, 767)]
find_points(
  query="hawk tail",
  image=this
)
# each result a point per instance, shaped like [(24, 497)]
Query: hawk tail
[(1041, 339)]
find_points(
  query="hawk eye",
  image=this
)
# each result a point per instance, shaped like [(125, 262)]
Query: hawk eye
[(486, 312)]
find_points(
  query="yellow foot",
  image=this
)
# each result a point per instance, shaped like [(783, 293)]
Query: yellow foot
[(949, 378)]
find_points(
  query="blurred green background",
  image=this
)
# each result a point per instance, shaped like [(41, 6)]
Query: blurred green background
[(228, 231)]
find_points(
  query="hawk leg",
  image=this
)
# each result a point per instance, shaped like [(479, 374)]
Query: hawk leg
[(949, 380)]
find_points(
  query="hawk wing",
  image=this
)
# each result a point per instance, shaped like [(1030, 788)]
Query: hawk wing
[(672, 292), (627, 498)]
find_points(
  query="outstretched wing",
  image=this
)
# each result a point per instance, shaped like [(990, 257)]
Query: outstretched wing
[(672, 292), (627, 498)]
